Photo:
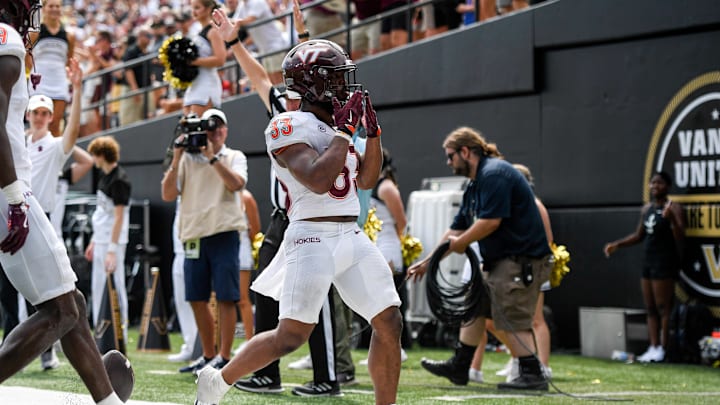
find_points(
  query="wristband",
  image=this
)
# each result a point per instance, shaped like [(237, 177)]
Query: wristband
[(112, 248), (213, 160), (343, 135), (376, 134), (228, 44), (13, 193), (304, 35)]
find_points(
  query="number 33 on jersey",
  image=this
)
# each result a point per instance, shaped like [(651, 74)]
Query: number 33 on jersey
[(302, 127)]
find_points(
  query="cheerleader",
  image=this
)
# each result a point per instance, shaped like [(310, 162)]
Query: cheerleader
[(206, 89), (53, 49)]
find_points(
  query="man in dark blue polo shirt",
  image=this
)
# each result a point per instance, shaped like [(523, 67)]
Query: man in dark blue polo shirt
[(499, 212)]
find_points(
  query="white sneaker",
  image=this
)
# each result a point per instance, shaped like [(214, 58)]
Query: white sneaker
[(210, 387), (475, 375), (505, 371), (658, 354), (49, 360), (184, 355), (547, 371), (514, 370), (647, 356), (304, 363)]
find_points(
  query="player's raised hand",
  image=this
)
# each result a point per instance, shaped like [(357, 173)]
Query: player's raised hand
[(228, 29), (18, 228), (347, 116), (370, 121)]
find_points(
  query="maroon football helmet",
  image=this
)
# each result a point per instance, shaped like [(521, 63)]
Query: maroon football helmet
[(319, 70), (23, 15)]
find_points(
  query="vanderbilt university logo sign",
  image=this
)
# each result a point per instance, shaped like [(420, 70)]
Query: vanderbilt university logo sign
[(686, 145)]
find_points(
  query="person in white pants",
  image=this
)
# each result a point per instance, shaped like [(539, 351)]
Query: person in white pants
[(183, 311), (110, 221)]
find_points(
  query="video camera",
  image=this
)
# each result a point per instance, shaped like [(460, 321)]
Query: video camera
[(193, 128)]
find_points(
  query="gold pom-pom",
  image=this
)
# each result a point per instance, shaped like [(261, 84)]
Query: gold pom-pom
[(411, 249), (256, 243), (373, 225), (560, 268)]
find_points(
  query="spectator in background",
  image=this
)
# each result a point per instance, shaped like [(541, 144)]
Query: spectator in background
[(324, 18), (102, 56), (231, 7), (159, 34), (394, 28), (205, 91), (507, 6), (208, 180), (137, 76), (447, 15), (365, 39), (110, 222), (183, 24), (267, 37), (53, 49), (662, 229)]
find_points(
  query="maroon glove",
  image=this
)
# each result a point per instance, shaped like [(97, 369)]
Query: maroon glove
[(17, 228), (371, 122), (347, 116)]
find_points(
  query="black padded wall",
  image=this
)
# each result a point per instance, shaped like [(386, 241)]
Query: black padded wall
[(571, 88)]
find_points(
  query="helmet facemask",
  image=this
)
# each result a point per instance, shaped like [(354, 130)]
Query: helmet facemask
[(34, 16), (339, 82)]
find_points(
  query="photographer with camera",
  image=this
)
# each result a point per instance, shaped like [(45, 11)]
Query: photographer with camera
[(206, 174)]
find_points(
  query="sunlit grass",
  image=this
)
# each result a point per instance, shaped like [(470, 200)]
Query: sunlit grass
[(158, 380)]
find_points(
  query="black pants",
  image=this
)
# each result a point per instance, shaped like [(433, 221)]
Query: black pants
[(8, 303), (266, 312)]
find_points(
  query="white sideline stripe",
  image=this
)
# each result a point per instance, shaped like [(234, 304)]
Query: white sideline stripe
[(34, 396), (461, 398)]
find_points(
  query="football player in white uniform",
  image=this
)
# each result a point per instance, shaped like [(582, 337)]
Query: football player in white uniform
[(32, 256), (312, 153)]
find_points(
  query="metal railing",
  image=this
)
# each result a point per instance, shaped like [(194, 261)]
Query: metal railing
[(150, 60)]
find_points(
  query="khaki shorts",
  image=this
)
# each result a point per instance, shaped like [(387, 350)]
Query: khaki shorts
[(366, 39), (273, 63), (513, 303)]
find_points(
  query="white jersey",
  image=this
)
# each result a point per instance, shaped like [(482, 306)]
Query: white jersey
[(303, 127), (47, 157), (12, 44)]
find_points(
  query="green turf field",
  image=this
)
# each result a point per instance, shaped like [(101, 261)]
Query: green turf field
[(158, 380)]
